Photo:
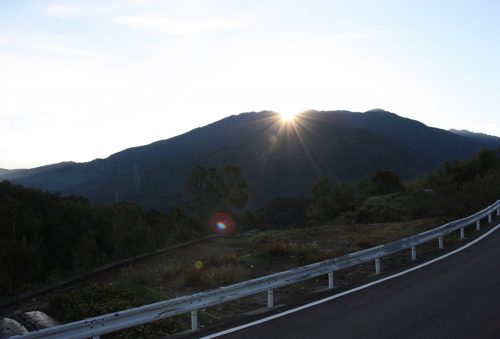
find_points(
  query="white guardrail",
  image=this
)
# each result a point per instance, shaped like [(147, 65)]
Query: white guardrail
[(94, 327)]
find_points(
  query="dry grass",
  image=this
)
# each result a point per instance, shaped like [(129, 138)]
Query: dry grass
[(229, 260), (209, 277)]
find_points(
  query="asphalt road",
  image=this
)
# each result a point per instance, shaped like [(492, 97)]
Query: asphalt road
[(457, 297)]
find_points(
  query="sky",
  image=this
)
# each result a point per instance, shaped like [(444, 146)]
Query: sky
[(81, 80)]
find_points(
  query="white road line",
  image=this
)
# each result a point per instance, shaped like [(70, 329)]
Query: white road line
[(293, 310)]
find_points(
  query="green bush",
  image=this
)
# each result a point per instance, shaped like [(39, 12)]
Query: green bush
[(385, 208), (308, 253)]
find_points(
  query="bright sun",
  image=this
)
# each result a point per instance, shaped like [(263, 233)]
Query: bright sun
[(287, 116)]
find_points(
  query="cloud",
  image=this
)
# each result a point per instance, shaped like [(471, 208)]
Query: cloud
[(176, 26), (369, 35), (40, 44), (60, 11)]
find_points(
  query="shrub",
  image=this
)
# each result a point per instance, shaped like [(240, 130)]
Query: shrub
[(210, 277), (308, 253), (365, 243), (385, 208), (231, 259), (227, 274), (136, 275), (280, 248)]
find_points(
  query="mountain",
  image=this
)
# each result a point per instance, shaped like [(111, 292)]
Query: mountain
[(278, 159), (4, 171), (481, 138), (20, 173)]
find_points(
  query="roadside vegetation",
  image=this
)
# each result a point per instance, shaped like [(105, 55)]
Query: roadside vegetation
[(45, 237)]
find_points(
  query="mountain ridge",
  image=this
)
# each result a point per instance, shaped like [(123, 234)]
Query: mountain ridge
[(278, 159)]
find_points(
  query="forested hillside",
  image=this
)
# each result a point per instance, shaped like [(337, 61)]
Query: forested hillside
[(44, 236)]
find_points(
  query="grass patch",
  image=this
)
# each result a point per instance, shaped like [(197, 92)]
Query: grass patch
[(98, 299), (136, 275), (280, 248), (145, 293), (209, 277), (308, 253), (303, 253), (365, 243)]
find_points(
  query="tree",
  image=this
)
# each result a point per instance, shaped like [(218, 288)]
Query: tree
[(322, 207), (236, 194), (486, 161), (329, 201), (385, 182), (211, 190)]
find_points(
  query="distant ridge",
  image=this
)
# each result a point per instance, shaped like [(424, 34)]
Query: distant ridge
[(19, 173), (484, 139), (3, 170), (278, 159)]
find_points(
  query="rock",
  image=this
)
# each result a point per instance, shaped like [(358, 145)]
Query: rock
[(10, 327), (36, 320)]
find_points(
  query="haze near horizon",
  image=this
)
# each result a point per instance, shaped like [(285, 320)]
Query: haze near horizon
[(84, 79)]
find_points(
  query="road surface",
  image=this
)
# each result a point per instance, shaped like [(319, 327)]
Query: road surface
[(457, 297)]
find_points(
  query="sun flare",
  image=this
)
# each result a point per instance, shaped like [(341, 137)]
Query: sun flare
[(286, 116)]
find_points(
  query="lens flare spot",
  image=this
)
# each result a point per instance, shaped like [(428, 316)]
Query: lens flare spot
[(222, 223), (198, 264)]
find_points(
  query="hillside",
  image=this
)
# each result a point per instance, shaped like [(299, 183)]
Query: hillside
[(4, 171), (481, 138), (277, 159)]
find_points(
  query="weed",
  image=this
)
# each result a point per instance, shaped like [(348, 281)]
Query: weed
[(308, 253), (227, 274), (280, 248), (136, 275), (209, 277), (365, 243), (231, 259)]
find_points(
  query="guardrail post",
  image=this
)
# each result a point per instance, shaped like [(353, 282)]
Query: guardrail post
[(194, 320), (498, 210), (462, 233), (270, 299), (331, 282), (478, 225), (441, 245), (413, 253), (490, 218), (377, 265)]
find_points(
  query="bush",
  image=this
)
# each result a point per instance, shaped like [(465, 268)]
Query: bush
[(284, 213), (280, 248), (136, 275), (209, 277), (99, 299), (308, 253), (90, 301), (365, 243), (385, 208), (227, 274)]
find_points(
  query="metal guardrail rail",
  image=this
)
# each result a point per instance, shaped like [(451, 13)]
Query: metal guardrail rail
[(94, 327)]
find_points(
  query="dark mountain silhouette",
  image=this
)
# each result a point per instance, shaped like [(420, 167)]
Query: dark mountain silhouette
[(278, 159), (19, 173), (481, 138)]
